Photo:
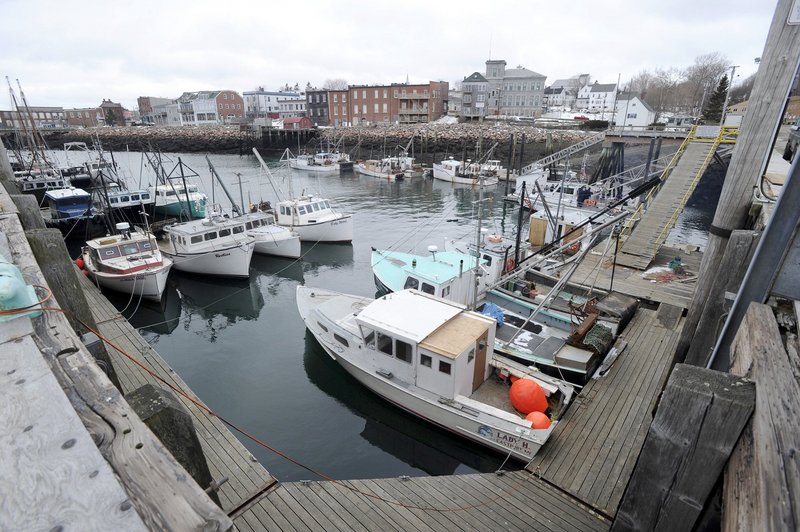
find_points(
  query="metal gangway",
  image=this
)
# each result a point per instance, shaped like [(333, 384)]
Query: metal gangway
[(562, 154), (651, 223)]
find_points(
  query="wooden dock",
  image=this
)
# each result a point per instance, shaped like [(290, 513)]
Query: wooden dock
[(595, 269), (593, 450), (652, 229)]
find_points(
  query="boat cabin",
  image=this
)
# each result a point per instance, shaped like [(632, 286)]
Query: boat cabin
[(305, 210), (325, 159), (171, 191), (541, 230), (437, 345), (68, 203), (206, 234), (112, 253)]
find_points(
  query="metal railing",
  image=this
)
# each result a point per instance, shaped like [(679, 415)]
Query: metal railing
[(570, 150)]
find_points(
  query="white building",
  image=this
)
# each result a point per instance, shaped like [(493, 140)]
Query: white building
[(601, 97), (631, 111), (259, 103), (291, 106)]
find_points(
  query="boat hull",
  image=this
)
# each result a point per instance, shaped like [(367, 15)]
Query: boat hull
[(320, 169), (391, 177), (281, 244), (197, 209), (338, 230), (148, 284), (225, 262), (444, 175)]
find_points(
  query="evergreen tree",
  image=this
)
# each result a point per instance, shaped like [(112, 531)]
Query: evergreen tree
[(712, 114)]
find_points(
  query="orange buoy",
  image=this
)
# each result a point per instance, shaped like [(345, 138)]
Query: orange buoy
[(514, 379), (79, 263), (527, 396), (538, 420)]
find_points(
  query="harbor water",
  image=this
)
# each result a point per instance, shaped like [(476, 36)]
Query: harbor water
[(242, 347)]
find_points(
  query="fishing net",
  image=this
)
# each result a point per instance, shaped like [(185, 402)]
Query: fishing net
[(599, 338)]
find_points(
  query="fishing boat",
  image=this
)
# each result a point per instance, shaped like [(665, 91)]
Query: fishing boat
[(494, 167), (271, 238), (173, 199), (466, 173), (39, 180), (387, 168), (315, 220), (434, 359), (312, 218), (128, 262), (71, 211), (216, 245), (322, 162)]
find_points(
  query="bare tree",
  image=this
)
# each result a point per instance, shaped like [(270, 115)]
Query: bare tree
[(702, 77), (335, 84), (741, 91), (641, 82)]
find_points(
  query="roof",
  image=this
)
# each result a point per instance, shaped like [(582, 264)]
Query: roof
[(557, 90), (604, 87), (295, 119), (455, 336), (625, 96), (410, 313), (475, 77), (62, 193), (522, 73)]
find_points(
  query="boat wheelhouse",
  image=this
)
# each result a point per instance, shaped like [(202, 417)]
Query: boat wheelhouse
[(176, 200), (216, 245), (464, 173), (315, 220), (434, 359), (128, 262), (388, 168)]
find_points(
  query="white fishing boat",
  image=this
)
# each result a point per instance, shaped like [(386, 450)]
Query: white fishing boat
[(468, 173), (216, 245), (315, 220), (270, 238), (321, 162), (434, 359), (312, 218), (128, 262), (175, 199), (387, 168)]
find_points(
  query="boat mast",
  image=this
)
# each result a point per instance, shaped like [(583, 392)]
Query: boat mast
[(269, 176), (215, 176), (478, 245), (185, 188)]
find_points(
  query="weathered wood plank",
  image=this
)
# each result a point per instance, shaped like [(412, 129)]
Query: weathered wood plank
[(737, 256), (48, 460), (699, 419), (762, 480)]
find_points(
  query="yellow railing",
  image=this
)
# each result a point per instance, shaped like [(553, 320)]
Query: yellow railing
[(637, 214)]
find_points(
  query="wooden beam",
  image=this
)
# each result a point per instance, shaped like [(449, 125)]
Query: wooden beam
[(738, 254), (773, 82), (762, 480), (698, 422)]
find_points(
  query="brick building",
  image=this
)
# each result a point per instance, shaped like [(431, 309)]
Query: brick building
[(83, 117), (43, 117), (111, 113), (388, 104), (153, 110), (317, 106)]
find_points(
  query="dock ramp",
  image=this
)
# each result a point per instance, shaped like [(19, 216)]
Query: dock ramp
[(658, 213)]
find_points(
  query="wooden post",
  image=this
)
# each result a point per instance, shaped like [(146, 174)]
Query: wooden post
[(699, 419), (28, 210), (738, 254), (762, 480), (774, 79), (168, 419), (50, 252)]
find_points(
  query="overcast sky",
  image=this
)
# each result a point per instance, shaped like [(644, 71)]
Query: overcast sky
[(74, 54)]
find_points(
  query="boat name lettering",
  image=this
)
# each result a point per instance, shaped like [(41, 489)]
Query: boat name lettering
[(218, 255), (507, 440), (339, 221)]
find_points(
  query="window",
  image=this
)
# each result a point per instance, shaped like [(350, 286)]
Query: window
[(364, 108), (340, 340), (224, 232), (385, 344), (386, 108), (402, 351), (344, 98), (225, 96), (335, 98), (302, 209), (471, 355), (375, 108), (631, 115), (196, 239), (355, 108), (249, 225), (220, 106), (210, 236), (364, 94), (425, 360), (376, 93), (355, 95), (369, 339), (446, 291), (385, 93), (428, 289), (238, 229), (411, 283), (321, 326), (444, 367)]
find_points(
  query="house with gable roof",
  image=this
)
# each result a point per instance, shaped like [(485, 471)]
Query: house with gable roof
[(632, 111), (474, 95)]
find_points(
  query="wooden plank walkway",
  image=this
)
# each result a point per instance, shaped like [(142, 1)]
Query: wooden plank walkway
[(592, 451), (514, 501), (652, 230), (597, 269), (225, 454)]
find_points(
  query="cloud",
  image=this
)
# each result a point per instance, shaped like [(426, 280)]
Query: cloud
[(71, 54)]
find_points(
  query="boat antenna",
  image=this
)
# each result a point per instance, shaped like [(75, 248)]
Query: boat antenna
[(478, 244)]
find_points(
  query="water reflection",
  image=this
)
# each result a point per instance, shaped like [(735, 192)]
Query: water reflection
[(290, 269), (160, 317), (335, 256), (407, 438), (220, 302)]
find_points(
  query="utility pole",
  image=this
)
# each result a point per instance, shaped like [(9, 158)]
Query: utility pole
[(727, 96)]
